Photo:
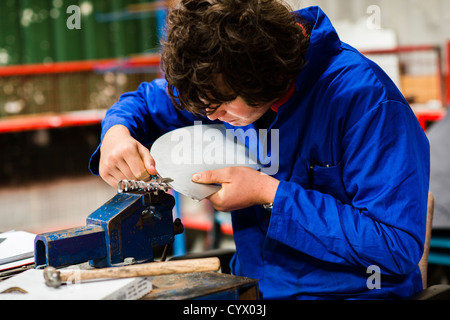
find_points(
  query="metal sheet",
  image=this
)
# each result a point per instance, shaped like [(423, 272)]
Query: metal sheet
[(182, 152)]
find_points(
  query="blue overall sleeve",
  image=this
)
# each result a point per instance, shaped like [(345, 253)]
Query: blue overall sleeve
[(385, 170), (147, 112)]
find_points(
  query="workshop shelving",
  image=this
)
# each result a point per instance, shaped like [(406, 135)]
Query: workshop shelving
[(422, 75), (43, 96), (44, 62), (39, 31)]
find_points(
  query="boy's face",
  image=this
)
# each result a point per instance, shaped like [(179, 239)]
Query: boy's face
[(238, 113)]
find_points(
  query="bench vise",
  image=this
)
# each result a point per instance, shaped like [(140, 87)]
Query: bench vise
[(138, 218)]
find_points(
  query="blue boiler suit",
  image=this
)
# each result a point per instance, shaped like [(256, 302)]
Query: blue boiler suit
[(353, 171)]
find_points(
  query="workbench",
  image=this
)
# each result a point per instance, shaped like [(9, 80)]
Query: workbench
[(189, 286), (203, 285)]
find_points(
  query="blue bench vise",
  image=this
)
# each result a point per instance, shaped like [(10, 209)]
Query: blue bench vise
[(129, 225)]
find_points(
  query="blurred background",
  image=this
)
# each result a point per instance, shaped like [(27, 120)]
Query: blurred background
[(63, 63)]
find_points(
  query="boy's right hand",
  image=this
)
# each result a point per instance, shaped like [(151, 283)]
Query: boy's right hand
[(123, 157)]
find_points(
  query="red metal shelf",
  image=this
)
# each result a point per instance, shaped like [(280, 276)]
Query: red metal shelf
[(401, 49), (50, 121), (78, 66), (427, 116), (199, 224)]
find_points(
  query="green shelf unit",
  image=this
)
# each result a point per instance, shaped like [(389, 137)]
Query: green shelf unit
[(10, 35), (36, 31), (68, 46), (34, 34), (126, 33), (97, 42), (67, 43), (149, 32)]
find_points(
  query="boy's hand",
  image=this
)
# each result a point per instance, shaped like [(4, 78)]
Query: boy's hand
[(123, 157), (242, 187)]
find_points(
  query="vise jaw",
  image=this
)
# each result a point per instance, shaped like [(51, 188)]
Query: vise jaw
[(128, 225)]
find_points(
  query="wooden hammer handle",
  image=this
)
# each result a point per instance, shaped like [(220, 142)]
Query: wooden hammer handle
[(144, 270)]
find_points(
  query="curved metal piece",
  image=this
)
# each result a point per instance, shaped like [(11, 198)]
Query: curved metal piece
[(151, 186)]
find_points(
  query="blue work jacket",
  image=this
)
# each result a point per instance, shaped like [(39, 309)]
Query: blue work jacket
[(349, 215)]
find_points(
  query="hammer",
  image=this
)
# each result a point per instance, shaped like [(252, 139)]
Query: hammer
[(54, 278)]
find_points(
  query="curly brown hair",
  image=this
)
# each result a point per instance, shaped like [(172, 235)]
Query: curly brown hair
[(256, 47)]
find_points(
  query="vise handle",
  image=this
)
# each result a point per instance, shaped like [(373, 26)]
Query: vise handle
[(54, 278)]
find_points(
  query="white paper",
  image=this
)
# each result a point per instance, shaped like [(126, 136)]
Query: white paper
[(15, 246), (16, 264), (32, 281)]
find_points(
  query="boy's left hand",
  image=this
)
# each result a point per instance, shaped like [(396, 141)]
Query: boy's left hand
[(242, 187)]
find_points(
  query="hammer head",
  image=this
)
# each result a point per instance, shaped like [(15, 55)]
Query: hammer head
[(52, 277)]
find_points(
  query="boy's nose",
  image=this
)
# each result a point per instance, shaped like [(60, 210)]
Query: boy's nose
[(216, 114)]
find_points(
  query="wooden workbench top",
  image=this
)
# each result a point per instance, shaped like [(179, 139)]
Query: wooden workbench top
[(202, 285)]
